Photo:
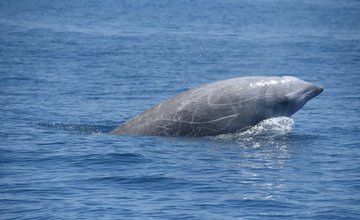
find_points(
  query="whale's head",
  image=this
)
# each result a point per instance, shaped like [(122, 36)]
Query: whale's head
[(286, 95)]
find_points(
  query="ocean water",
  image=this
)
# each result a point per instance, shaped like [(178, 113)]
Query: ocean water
[(71, 71)]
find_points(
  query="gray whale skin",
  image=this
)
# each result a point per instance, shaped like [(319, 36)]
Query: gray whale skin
[(222, 107)]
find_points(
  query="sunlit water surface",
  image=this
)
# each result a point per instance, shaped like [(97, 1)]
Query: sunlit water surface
[(71, 71)]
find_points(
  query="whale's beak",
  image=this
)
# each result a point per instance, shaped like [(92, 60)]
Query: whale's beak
[(319, 89), (304, 94), (311, 91), (316, 90)]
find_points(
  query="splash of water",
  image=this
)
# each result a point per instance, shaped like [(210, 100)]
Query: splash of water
[(265, 131), (278, 126)]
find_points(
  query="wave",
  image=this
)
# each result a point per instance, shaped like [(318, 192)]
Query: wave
[(78, 128), (267, 129)]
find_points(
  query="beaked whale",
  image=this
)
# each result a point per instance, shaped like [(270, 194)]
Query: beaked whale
[(222, 107)]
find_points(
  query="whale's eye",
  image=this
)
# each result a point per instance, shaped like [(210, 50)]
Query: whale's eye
[(274, 102), (282, 100)]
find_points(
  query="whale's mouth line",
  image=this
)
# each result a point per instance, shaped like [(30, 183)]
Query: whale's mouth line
[(312, 92), (306, 94)]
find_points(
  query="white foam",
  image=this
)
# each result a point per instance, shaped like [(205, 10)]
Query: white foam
[(265, 130)]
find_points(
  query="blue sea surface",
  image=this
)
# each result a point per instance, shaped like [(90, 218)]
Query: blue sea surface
[(71, 71)]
